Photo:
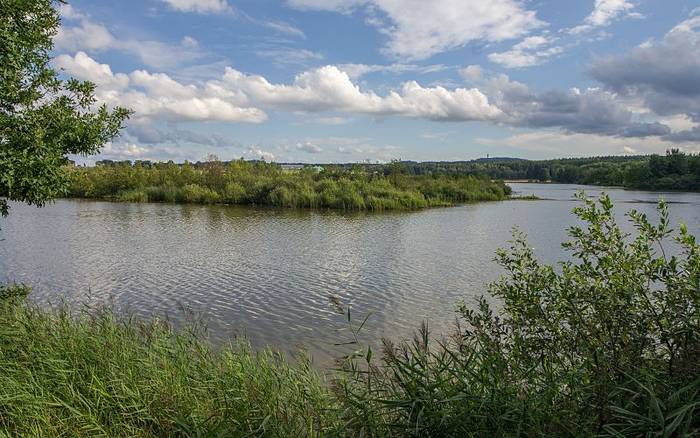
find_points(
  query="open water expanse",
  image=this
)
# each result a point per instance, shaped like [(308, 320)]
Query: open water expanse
[(275, 276)]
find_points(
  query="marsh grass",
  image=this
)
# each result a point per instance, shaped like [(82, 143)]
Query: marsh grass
[(93, 375)]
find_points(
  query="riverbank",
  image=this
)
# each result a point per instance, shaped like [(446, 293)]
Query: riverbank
[(246, 183)]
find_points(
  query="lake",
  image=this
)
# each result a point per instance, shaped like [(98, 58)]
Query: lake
[(274, 275)]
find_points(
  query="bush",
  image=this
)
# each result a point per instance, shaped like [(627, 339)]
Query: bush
[(607, 343)]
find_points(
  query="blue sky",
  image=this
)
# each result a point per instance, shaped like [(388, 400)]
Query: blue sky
[(356, 80)]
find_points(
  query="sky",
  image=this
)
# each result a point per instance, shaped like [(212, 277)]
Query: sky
[(376, 80)]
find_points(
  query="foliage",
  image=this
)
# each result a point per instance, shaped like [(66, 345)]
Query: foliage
[(674, 171), (93, 375), (258, 183), (42, 117), (606, 343)]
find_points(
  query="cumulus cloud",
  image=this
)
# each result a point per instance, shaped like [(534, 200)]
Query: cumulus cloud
[(331, 89), (471, 72), (235, 96), (200, 6), (156, 95), (241, 97), (418, 29)]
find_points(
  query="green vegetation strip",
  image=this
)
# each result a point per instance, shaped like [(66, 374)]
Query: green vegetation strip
[(257, 183), (606, 344), (674, 171)]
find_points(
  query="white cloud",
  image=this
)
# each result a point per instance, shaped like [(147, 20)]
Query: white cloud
[(419, 29), (67, 12), (330, 89), (156, 95), (201, 6), (283, 27), (529, 52), (604, 13), (236, 96), (124, 151), (309, 147), (87, 36), (189, 42), (471, 72), (255, 153), (93, 37)]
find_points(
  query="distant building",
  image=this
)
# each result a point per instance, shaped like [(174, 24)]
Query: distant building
[(291, 167)]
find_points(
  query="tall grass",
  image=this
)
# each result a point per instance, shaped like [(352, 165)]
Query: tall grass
[(241, 182), (94, 375)]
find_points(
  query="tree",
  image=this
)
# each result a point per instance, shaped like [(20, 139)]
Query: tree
[(42, 116)]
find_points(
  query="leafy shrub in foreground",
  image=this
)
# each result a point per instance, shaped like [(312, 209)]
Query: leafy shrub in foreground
[(607, 343)]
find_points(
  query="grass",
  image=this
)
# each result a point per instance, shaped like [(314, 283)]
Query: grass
[(93, 375)]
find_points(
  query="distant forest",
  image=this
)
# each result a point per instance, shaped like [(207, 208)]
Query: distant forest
[(673, 171)]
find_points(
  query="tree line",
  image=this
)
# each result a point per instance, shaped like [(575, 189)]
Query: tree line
[(675, 170)]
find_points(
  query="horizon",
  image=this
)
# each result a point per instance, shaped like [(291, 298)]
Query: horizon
[(205, 160), (354, 80)]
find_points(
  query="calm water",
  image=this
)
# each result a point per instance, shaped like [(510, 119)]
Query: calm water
[(268, 274)]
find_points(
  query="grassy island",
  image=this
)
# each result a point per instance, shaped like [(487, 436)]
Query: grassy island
[(259, 183)]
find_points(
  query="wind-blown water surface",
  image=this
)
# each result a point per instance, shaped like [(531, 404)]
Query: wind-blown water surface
[(269, 274)]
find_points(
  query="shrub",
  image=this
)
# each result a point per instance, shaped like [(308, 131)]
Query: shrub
[(606, 343)]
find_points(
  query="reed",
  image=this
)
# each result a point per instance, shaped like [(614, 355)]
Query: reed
[(241, 182)]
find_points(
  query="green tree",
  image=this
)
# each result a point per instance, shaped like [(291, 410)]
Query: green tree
[(42, 117)]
